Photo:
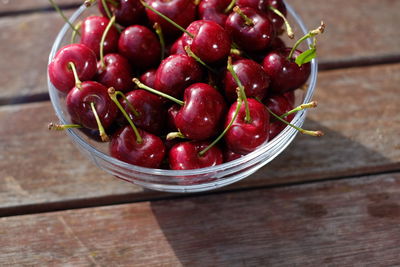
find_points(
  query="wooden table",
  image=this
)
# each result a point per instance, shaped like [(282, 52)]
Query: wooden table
[(331, 201)]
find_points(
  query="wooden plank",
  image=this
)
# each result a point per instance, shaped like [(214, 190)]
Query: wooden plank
[(41, 168), (341, 45), (8, 7), (341, 223)]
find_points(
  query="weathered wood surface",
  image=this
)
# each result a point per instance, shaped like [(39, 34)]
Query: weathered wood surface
[(357, 34), (357, 111), (341, 223), (11, 7)]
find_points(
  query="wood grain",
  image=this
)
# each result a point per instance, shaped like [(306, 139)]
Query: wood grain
[(8, 7), (343, 223), (354, 36), (42, 170)]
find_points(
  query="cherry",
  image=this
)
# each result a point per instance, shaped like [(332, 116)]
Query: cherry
[(148, 78), (290, 97), (60, 71), (230, 155), (244, 137), (250, 29), (127, 12), (253, 77), (150, 113), (285, 74), (177, 47), (181, 12), (116, 73), (172, 111), (140, 45), (175, 73), (92, 30), (185, 156), (207, 40), (149, 152), (214, 10), (279, 105), (90, 106)]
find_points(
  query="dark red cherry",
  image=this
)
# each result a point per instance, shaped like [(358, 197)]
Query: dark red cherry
[(255, 37), (177, 47), (200, 117), (176, 73), (117, 73), (148, 78), (150, 109), (244, 137), (181, 12), (253, 77), (185, 156), (172, 111), (211, 43), (127, 12), (140, 46), (92, 31), (290, 97), (79, 105), (285, 74), (230, 155), (60, 73), (279, 105), (214, 10), (149, 153)]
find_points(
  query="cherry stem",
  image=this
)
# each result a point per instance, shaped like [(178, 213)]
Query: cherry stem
[(310, 34), (248, 21), (160, 34), (59, 11), (312, 133), (166, 18), (62, 127), (312, 104), (113, 95), (230, 6), (134, 111), (74, 33), (193, 55), (103, 40), (103, 135), (289, 29), (239, 105), (106, 9), (78, 82), (242, 93), (173, 135), (154, 91)]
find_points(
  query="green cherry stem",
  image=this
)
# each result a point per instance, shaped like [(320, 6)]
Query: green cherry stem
[(103, 135), (134, 111), (113, 95), (160, 35), (89, 3), (238, 106), (78, 82), (106, 9), (310, 34), (154, 91), (289, 29), (59, 11), (173, 135), (62, 127), (166, 18), (74, 33), (242, 93), (228, 9), (102, 41), (193, 55), (248, 21), (312, 133), (312, 104)]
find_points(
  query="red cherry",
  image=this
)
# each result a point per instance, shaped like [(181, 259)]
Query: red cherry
[(244, 137), (185, 156), (214, 10), (79, 105), (149, 77), (117, 73), (210, 42), (141, 46), (177, 47), (172, 111), (230, 155), (127, 12), (279, 105), (253, 77), (92, 31), (149, 153), (200, 117), (255, 36), (175, 73), (285, 74), (60, 73)]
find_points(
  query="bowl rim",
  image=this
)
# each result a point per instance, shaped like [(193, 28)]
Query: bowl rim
[(72, 133)]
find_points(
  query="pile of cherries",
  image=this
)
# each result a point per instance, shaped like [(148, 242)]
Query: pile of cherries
[(181, 84)]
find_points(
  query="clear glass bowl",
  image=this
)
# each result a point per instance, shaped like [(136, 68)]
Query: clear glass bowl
[(181, 181)]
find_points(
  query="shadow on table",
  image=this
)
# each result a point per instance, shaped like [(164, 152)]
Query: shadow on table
[(216, 228)]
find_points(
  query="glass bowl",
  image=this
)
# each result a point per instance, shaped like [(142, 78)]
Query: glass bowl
[(189, 180)]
